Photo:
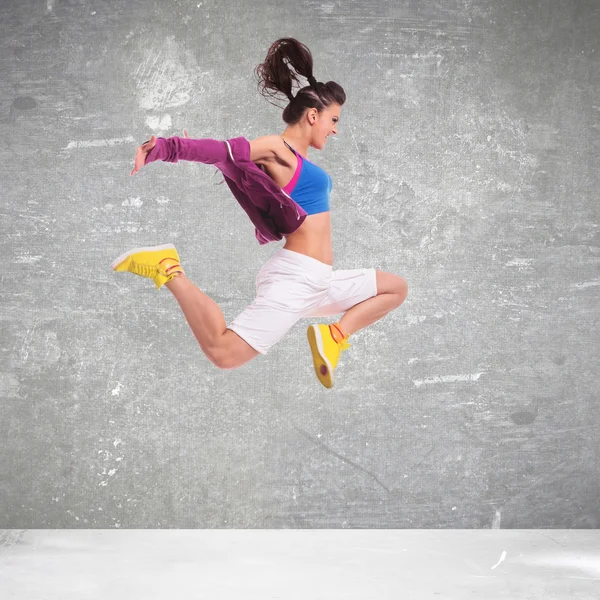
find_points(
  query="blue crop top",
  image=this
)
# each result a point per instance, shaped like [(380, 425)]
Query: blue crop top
[(310, 186)]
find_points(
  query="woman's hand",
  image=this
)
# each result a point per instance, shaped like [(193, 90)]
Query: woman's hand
[(141, 154)]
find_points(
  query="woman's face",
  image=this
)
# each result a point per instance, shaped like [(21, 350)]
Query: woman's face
[(325, 125)]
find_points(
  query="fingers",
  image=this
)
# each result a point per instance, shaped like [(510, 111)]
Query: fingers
[(136, 167), (185, 134), (140, 157), (141, 154)]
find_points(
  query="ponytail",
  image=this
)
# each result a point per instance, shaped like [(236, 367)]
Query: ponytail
[(287, 58)]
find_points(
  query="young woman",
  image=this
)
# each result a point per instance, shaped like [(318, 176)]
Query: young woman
[(285, 195)]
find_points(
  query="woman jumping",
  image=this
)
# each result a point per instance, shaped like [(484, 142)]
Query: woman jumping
[(285, 195)]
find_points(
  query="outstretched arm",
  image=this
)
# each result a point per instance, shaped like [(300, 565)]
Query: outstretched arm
[(174, 149)]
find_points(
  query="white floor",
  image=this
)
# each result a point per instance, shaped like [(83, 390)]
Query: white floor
[(299, 564)]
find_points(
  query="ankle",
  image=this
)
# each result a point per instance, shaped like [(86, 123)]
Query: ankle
[(337, 333), (176, 280)]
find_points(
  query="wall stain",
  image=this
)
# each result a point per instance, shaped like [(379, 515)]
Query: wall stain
[(24, 103)]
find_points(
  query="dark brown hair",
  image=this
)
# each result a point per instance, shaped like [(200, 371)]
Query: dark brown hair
[(276, 77)]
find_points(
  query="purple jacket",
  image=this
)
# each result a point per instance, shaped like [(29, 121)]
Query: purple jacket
[(272, 210)]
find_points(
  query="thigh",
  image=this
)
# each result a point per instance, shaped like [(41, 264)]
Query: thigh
[(261, 325), (278, 306), (347, 288)]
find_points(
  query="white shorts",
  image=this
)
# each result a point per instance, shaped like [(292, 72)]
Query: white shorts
[(291, 286)]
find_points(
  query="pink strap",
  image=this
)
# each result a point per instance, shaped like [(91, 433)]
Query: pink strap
[(292, 184)]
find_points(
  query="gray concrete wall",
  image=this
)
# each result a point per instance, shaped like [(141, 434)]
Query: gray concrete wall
[(466, 161)]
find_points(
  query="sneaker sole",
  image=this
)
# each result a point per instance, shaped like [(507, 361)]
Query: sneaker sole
[(316, 343), (123, 257)]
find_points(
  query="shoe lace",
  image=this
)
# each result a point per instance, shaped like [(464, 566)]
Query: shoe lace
[(144, 270), (344, 345)]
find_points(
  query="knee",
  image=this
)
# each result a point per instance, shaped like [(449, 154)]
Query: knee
[(230, 352), (226, 360), (223, 361), (390, 283), (401, 289), (217, 357)]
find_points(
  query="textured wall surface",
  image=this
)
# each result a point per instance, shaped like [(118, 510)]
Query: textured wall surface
[(466, 161)]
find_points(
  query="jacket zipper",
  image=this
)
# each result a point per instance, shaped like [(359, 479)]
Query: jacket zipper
[(295, 205), (230, 153)]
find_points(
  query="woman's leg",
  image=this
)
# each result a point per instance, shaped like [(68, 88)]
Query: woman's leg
[(391, 293), (223, 347)]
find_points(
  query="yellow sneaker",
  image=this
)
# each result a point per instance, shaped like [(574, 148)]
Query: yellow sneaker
[(159, 263), (325, 351)]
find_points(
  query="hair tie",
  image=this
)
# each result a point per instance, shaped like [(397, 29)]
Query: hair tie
[(312, 81)]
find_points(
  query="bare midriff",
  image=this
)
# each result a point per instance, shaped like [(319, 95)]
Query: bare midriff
[(313, 237)]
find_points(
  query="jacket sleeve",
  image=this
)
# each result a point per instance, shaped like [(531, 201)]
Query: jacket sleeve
[(174, 149)]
